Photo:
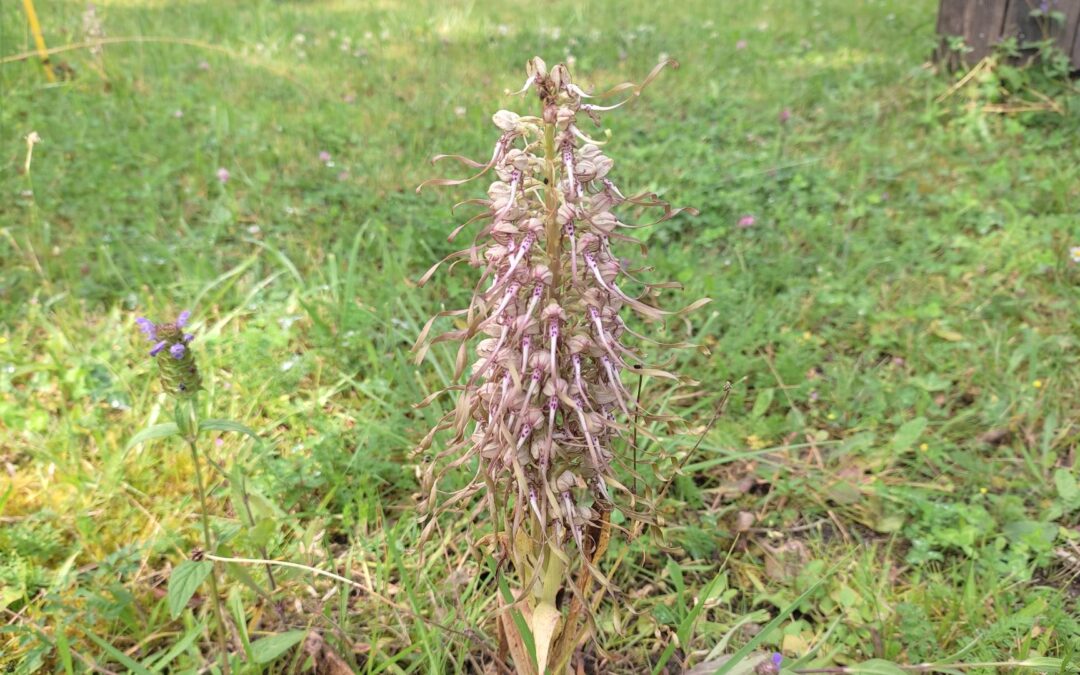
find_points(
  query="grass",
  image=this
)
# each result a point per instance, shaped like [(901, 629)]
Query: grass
[(895, 475)]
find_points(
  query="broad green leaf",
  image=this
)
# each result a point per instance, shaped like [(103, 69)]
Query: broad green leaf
[(1038, 535), (178, 647), (7, 495), (686, 625), (763, 635), (240, 573), (152, 434), (229, 425), (1066, 485), (235, 603), (675, 571), (908, 433), (63, 651), (1046, 664), (889, 524), (762, 402), (745, 667), (183, 582), (876, 667), (132, 665), (265, 650)]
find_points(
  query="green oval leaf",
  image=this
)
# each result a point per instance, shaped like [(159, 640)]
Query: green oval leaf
[(876, 667), (267, 649), (153, 433), (762, 402), (183, 582), (908, 433), (228, 425)]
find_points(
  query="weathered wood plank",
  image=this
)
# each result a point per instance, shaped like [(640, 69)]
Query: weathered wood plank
[(1071, 40), (951, 17), (1020, 24), (984, 23)]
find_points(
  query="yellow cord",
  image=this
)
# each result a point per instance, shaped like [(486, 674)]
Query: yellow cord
[(39, 39)]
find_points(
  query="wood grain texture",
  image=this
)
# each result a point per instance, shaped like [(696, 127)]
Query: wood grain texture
[(984, 23)]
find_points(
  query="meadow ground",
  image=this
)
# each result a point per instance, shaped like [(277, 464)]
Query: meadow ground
[(894, 303)]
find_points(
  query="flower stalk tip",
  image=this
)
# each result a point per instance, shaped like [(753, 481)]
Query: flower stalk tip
[(177, 368)]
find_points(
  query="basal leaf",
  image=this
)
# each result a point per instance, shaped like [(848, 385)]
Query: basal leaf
[(153, 433), (184, 581), (229, 425), (265, 650)]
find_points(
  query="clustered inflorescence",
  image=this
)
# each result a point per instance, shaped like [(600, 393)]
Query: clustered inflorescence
[(176, 364), (544, 402)]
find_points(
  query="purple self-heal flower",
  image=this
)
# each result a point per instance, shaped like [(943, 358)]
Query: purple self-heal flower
[(179, 374), (147, 327), (770, 667)]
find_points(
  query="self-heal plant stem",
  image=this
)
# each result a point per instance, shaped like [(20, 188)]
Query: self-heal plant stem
[(209, 543), (180, 379)]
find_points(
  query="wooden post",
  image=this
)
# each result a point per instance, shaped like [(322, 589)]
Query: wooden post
[(984, 23)]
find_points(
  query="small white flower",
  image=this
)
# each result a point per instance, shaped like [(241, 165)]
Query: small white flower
[(1074, 254)]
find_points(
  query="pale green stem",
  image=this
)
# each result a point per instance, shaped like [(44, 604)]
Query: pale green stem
[(209, 543), (551, 582)]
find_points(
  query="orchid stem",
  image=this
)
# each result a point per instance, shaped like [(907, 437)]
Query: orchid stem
[(551, 204)]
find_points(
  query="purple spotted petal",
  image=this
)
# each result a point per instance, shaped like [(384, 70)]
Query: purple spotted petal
[(156, 349), (182, 320), (147, 327), (188, 337), (777, 659), (177, 351)]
